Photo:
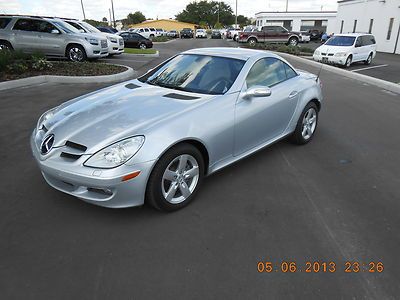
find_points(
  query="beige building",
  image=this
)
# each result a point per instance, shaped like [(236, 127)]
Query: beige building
[(166, 24)]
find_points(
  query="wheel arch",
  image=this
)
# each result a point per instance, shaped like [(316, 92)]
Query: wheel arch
[(7, 42)]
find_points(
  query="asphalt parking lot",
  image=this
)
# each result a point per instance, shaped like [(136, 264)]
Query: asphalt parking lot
[(335, 199)]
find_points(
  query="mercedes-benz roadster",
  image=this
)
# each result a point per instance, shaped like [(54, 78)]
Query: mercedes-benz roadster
[(153, 139)]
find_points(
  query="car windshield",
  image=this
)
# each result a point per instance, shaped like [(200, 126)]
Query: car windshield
[(340, 41), (89, 27), (65, 27), (196, 73)]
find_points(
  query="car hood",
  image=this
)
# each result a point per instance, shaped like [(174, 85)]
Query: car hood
[(332, 49), (101, 118)]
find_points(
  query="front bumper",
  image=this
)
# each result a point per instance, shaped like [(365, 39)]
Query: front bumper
[(333, 60), (103, 187), (115, 48), (96, 51)]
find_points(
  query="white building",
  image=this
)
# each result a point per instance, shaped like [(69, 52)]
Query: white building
[(379, 17), (299, 20)]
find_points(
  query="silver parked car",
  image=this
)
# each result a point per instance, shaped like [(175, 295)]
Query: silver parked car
[(51, 36), (155, 138)]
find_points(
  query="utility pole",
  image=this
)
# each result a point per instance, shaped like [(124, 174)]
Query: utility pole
[(112, 8), (109, 10), (287, 5), (83, 10), (219, 3), (236, 16)]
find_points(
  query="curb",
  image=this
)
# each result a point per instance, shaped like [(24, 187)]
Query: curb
[(67, 79), (160, 43), (157, 54), (387, 85)]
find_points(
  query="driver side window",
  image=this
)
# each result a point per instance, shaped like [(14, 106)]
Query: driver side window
[(266, 72)]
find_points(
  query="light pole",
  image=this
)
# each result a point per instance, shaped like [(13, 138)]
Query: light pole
[(83, 10), (287, 5), (109, 10), (112, 8), (236, 16)]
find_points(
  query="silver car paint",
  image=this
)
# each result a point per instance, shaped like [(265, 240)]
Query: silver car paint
[(228, 126), (50, 43)]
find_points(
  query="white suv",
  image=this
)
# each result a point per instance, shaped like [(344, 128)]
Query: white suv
[(344, 49), (201, 33), (115, 42), (148, 33)]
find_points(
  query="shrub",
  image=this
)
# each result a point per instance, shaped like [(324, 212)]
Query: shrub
[(161, 39), (41, 64), (18, 67)]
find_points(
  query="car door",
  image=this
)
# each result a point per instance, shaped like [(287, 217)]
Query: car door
[(357, 51), (51, 42), (25, 35), (269, 34), (282, 34), (262, 119)]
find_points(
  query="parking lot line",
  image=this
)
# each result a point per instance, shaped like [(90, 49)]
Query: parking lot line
[(367, 68)]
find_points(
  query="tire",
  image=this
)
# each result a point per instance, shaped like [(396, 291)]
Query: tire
[(151, 36), (293, 41), (76, 53), (142, 46), (252, 42), (369, 59), (348, 62), (304, 133), (4, 45), (166, 186)]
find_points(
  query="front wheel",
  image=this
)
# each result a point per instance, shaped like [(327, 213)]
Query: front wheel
[(5, 46), (252, 42), (348, 62), (293, 41), (175, 178), (306, 125), (76, 53), (143, 46)]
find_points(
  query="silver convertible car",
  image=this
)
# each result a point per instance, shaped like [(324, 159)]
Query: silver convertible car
[(153, 139)]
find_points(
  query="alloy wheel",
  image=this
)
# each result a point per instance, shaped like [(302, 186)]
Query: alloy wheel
[(76, 54), (309, 123), (180, 179), (4, 46), (348, 61), (142, 46)]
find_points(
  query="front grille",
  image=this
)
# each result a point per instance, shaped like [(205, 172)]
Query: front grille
[(103, 43), (76, 146), (330, 54), (323, 53)]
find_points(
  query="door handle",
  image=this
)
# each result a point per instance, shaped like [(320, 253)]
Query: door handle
[(293, 94)]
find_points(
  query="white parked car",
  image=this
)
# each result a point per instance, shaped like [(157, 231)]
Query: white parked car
[(115, 42), (201, 33), (146, 32), (160, 32), (344, 49), (304, 37)]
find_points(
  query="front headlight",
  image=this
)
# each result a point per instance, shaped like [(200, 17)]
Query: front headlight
[(116, 154), (317, 52), (113, 40), (43, 118), (340, 54), (92, 41)]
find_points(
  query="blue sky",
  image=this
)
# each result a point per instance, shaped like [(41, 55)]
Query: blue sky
[(97, 9)]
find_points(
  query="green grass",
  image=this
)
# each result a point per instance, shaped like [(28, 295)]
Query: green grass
[(140, 51)]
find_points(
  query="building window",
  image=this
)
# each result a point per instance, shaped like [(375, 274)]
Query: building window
[(355, 26), (389, 33), (341, 26), (371, 23)]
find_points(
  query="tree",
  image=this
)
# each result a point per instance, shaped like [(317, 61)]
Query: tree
[(135, 18), (243, 21), (96, 23), (104, 19), (207, 11)]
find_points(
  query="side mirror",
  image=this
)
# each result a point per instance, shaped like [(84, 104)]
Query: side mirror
[(257, 91), (55, 31)]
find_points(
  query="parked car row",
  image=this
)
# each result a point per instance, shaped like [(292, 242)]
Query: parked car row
[(55, 37), (135, 40)]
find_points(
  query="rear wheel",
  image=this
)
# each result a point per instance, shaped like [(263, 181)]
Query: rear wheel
[(306, 125), (76, 53), (4, 45), (369, 60), (175, 178), (143, 46)]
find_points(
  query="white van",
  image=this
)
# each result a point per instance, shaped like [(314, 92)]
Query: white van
[(344, 49)]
